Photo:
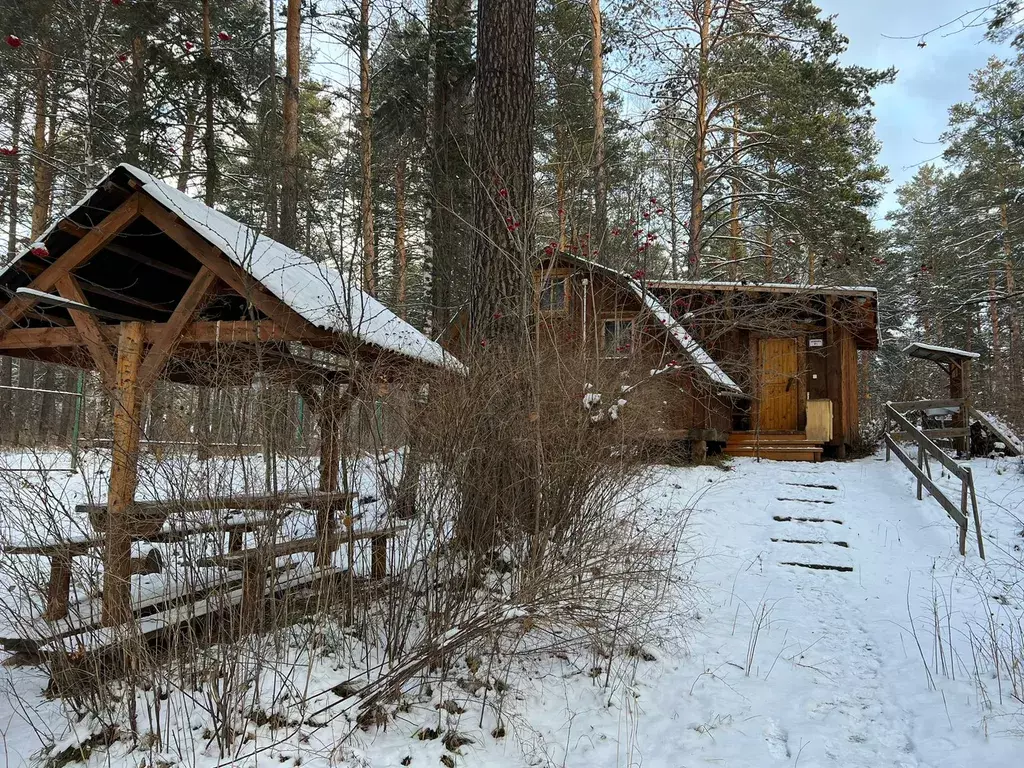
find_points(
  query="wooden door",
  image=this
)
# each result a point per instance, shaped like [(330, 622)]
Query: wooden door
[(779, 385)]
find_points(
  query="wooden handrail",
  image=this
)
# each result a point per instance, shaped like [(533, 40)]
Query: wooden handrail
[(921, 472)]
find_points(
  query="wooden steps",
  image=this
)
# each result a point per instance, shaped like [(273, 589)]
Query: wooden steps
[(775, 446)]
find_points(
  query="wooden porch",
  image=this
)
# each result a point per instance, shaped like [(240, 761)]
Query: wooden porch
[(776, 446)]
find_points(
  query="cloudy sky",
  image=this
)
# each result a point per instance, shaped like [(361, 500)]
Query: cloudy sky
[(912, 112)]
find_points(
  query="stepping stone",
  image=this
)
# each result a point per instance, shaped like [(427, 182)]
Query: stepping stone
[(789, 519), (807, 501), (810, 541)]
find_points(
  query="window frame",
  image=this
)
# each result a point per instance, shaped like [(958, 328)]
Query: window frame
[(561, 274), (629, 320)]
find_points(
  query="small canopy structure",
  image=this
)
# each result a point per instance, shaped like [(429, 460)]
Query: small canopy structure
[(140, 281), (957, 365)]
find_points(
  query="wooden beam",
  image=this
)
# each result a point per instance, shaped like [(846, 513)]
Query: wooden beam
[(109, 293), (202, 332), (52, 300), (89, 330), (196, 295), (240, 281), (73, 257), (67, 225), (123, 477)]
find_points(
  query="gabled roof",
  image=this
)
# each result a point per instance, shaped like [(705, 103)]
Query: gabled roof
[(677, 333), (315, 291)]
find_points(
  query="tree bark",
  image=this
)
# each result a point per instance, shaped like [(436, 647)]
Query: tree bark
[(503, 192), (449, 202), (401, 257), (735, 245), (43, 161), (700, 137), (289, 231), (600, 172), (187, 142), (14, 174), (136, 102), (365, 126), (209, 134), (271, 127)]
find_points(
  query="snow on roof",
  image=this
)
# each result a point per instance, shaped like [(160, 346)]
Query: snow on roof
[(685, 341), (675, 329), (317, 292), (788, 287), (920, 346)]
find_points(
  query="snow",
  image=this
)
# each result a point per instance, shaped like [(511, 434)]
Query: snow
[(319, 293), (909, 349), (1006, 430), (755, 663)]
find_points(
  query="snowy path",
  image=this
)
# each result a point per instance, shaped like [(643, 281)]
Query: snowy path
[(835, 674)]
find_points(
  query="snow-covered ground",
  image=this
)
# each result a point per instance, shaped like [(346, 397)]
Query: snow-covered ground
[(759, 662)]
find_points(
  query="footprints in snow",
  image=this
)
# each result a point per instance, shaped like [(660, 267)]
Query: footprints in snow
[(811, 542)]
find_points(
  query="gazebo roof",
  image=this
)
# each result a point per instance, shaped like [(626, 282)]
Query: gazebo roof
[(939, 354), (136, 248)]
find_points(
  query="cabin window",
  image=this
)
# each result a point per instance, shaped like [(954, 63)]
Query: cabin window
[(617, 339), (552, 291)]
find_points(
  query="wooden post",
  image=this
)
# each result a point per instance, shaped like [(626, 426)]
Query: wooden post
[(977, 513), (833, 377), (920, 465), (60, 586), (331, 412), (379, 557), (958, 373), (888, 450), (123, 477)]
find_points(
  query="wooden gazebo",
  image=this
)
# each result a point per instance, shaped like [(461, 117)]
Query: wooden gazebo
[(140, 281)]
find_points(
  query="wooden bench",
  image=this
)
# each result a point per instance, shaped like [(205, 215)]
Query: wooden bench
[(255, 563), (147, 518), (62, 553)]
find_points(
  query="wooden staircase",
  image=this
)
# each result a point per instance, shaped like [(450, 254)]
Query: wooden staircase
[(777, 446)]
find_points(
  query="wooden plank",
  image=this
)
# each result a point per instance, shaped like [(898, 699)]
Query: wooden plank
[(1011, 448), (921, 405), (191, 302), (779, 401), (951, 509), (72, 258), (918, 437), (123, 477), (202, 332), (89, 330), (165, 507), (833, 375), (933, 433), (977, 513), (297, 546)]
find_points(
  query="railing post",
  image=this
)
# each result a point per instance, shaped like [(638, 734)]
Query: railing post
[(888, 450), (977, 513), (921, 466)]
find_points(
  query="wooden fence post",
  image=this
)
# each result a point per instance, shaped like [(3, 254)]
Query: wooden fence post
[(920, 465), (123, 477), (977, 513)]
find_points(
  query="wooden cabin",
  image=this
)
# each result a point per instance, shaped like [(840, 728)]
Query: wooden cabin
[(755, 369)]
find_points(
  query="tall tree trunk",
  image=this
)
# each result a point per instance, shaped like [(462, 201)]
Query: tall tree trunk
[(24, 400), (14, 174), (209, 134), (563, 218), (735, 245), (188, 142), (1011, 318), (48, 405), (450, 35), (503, 192), (401, 258), (600, 172), (290, 179), (673, 221), (136, 102), (271, 127), (43, 161), (700, 137), (365, 126)]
